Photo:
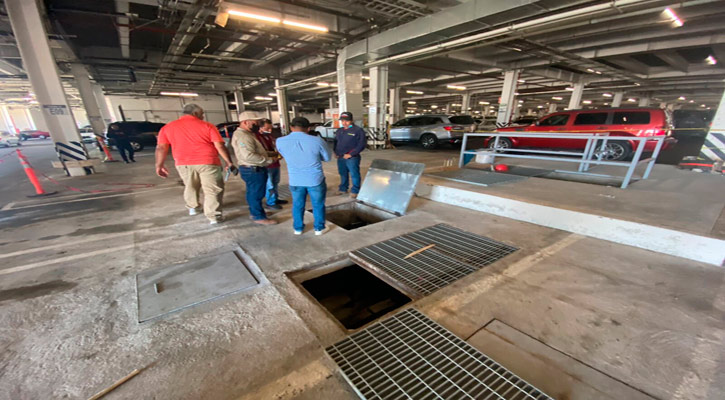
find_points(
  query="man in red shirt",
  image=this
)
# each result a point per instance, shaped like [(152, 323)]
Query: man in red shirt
[(196, 146)]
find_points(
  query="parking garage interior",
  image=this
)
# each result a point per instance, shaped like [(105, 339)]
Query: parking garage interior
[(542, 212)]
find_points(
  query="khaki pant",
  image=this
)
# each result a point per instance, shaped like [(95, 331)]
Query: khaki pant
[(207, 178)]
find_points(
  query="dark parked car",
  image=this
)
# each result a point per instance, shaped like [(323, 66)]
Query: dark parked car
[(140, 133)]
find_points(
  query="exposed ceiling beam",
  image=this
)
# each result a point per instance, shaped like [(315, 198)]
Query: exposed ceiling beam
[(675, 60)]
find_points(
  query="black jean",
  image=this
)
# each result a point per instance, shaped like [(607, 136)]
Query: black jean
[(123, 148)]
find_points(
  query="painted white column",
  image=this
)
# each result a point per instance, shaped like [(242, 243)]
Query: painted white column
[(93, 112), (465, 103), (350, 87), (448, 108), (102, 104), (32, 40), (332, 103), (296, 110), (617, 100), (552, 107), (378, 98), (239, 99), (282, 107), (396, 109), (575, 101), (644, 101), (30, 119), (507, 102), (714, 146), (269, 112)]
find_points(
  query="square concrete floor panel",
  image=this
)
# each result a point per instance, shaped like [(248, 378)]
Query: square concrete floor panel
[(178, 286)]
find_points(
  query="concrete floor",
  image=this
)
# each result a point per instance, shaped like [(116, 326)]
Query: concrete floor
[(578, 317)]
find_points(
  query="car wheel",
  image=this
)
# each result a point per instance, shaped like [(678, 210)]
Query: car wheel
[(429, 141), (503, 143), (41, 137), (136, 146), (616, 151), (24, 137)]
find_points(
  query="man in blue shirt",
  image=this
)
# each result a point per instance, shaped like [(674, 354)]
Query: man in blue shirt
[(350, 140), (304, 155)]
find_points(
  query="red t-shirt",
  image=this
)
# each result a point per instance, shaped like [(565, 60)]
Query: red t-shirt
[(192, 141)]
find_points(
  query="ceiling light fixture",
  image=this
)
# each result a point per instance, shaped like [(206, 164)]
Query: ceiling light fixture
[(571, 89), (557, 98), (521, 81), (413, 92), (180, 94), (323, 84), (676, 21), (455, 105), (262, 98), (456, 87), (711, 60), (631, 100), (305, 26), (692, 101), (607, 94), (590, 70), (272, 94), (433, 106), (587, 102), (485, 103), (275, 20), (681, 98), (411, 102), (367, 78)]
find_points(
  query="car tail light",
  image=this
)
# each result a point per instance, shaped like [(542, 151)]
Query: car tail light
[(448, 128), (453, 128)]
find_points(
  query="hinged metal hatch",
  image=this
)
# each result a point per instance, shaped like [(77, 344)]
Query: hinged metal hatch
[(390, 184)]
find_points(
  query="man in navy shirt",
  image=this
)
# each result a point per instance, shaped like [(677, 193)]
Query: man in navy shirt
[(304, 155), (350, 140)]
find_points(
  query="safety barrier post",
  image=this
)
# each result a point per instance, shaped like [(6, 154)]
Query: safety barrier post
[(31, 176), (109, 157)]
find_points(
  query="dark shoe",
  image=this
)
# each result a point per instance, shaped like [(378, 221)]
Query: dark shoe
[(132, 160), (127, 162), (272, 207), (282, 201)]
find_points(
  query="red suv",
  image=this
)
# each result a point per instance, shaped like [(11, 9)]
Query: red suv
[(617, 121)]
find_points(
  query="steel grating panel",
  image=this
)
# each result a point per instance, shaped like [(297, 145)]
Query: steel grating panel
[(470, 248), (476, 177), (422, 274), (409, 356)]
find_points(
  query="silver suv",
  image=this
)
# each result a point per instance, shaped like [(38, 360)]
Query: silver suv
[(431, 130)]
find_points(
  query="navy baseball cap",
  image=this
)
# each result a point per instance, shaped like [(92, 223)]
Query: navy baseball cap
[(347, 115)]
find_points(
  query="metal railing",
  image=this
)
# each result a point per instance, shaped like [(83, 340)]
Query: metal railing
[(594, 153)]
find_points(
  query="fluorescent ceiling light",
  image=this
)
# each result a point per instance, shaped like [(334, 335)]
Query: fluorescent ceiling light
[(557, 98), (607, 94), (539, 106), (367, 78), (692, 101), (233, 102), (681, 98), (272, 94), (521, 101), (413, 92), (590, 70), (571, 89), (456, 87), (711, 60), (703, 105), (485, 103), (631, 100), (676, 21), (181, 94), (246, 103), (516, 93), (262, 98), (433, 106), (598, 72), (411, 102), (254, 16), (305, 26), (587, 102), (521, 81), (455, 105), (323, 84)]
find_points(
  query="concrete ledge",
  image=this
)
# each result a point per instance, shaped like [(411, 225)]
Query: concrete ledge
[(661, 240)]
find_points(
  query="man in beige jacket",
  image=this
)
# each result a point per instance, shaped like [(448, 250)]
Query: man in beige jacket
[(253, 159)]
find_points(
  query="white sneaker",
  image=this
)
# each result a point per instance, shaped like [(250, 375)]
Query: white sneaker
[(322, 232), (298, 232), (193, 211), (215, 221)]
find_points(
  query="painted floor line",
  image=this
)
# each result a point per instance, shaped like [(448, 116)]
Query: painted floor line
[(91, 198), (7, 206)]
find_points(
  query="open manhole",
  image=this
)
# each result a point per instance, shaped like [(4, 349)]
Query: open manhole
[(355, 215), (350, 293)]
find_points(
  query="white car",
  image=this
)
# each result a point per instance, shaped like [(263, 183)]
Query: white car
[(87, 135), (7, 140)]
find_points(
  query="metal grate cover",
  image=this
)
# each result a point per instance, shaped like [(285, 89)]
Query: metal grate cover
[(476, 177), (422, 274), (409, 356), (457, 253), (470, 248)]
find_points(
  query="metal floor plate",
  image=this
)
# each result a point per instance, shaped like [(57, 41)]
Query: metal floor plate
[(175, 287), (456, 254), (476, 177), (409, 356), (470, 248)]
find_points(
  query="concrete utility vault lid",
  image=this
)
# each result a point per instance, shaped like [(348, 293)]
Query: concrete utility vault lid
[(178, 286), (390, 184)]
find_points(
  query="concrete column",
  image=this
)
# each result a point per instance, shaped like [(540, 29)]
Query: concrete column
[(714, 147), (102, 104), (282, 107), (29, 32), (396, 105), (465, 103), (296, 110), (644, 101), (378, 98), (552, 107), (269, 112), (617, 100), (225, 104), (350, 87), (30, 119), (576, 96), (93, 112), (448, 108), (332, 103), (507, 103), (239, 99)]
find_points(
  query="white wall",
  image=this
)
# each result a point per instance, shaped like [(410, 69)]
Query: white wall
[(313, 117), (165, 109)]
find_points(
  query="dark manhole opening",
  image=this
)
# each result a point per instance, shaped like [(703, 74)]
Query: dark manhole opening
[(353, 215), (354, 296)]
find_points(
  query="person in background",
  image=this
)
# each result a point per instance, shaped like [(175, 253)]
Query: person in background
[(350, 141), (268, 141), (253, 160), (196, 146), (122, 142), (304, 155)]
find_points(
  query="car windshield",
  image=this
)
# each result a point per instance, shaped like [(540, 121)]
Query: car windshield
[(462, 120)]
